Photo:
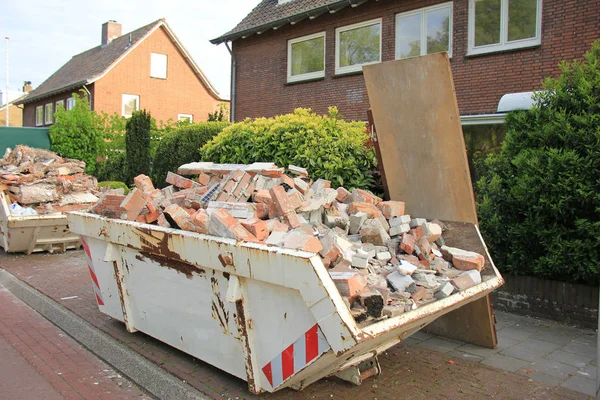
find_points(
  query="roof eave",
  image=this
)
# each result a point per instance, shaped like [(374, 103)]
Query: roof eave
[(30, 99), (292, 20)]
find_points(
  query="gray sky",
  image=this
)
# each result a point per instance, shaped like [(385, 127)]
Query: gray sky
[(44, 35)]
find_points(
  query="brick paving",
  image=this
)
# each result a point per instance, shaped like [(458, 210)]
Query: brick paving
[(409, 370), (41, 361)]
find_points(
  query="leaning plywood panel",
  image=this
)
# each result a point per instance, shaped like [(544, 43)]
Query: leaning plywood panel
[(420, 137), (422, 152)]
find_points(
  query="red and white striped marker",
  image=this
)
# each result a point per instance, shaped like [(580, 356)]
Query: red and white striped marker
[(97, 291), (297, 356)]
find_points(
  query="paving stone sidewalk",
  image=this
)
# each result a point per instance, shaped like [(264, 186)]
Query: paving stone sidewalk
[(39, 361), (423, 367)]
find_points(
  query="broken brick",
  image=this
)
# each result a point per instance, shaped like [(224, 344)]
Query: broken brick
[(143, 183), (391, 209)]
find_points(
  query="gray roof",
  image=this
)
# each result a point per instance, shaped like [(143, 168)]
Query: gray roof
[(271, 15), (90, 65)]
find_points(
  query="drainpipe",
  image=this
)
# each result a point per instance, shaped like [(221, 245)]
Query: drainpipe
[(232, 92), (89, 96)]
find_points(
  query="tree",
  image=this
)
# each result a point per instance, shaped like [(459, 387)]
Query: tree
[(137, 145), (540, 199), (77, 133), (220, 115)]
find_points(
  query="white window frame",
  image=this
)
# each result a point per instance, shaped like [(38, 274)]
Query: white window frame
[(423, 13), (40, 121), (128, 97), (48, 116), (504, 43), (156, 67), (59, 102), (70, 103), (189, 117), (308, 75), (358, 67)]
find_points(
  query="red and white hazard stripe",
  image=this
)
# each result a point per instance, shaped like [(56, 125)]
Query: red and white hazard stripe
[(92, 273), (297, 356)]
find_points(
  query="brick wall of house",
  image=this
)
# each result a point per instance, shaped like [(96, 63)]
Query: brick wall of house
[(568, 29), (181, 93), (29, 108), (15, 116)]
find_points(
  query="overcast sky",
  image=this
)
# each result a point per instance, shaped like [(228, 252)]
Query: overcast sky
[(44, 35)]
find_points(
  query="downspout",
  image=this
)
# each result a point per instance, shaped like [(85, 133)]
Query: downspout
[(89, 97), (232, 90)]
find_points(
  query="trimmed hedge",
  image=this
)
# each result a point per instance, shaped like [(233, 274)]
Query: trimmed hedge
[(113, 169), (114, 185), (540, 200), (326, 146), (181, 146)]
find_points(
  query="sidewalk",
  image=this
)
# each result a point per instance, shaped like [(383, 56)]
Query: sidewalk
[(39, 361), (423, 367)]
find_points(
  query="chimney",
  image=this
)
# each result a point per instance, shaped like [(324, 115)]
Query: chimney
[(27, 87), (110, 30)]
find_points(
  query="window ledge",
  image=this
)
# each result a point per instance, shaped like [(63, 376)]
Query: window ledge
[(497, 50), (156, 77), (349, 73), (307, 80)]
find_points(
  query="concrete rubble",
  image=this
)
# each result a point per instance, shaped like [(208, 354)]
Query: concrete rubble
[(39, 181), (383, 261)]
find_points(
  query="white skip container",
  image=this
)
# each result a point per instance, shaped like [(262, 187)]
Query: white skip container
[(268, 315), (35, 233)]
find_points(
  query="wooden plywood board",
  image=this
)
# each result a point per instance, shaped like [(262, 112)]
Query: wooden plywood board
[(420, 137), (473, 323)]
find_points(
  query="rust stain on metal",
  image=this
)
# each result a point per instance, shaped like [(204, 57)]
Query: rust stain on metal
[(119, 280), (226, 275), (243, 333), (181, 267), (219, 312)]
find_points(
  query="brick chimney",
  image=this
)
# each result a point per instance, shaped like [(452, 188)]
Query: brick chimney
[(27, 87), (110, 30)]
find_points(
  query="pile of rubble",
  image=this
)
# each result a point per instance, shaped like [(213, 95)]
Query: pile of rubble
[(43, 183), (383, 261)]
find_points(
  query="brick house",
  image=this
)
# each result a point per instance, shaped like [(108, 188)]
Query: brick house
[(147, 68), (309, 53)]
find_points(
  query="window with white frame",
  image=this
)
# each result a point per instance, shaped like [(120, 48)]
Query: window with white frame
[(49, 114), (185, 117), (131, 103), (39, 116), (424, 31), (59, 103), (306, 57), (496, 25), (357, 45), (158, 65), (70, 103)]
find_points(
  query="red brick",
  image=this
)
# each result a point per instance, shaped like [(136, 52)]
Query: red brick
[(391, 209), (408, 243), (281, 200), (143, 183)]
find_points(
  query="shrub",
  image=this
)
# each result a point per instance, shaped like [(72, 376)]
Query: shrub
[(77, 133), (181, 146), (137, 145), (113, 169), (327, 146), (540, 200), (114, 185)]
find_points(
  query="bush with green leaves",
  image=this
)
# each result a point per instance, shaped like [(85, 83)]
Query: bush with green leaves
[(180, 146), (77, 133), (329, 147), (137, 145), (540, 200), (114, 185), (113, 168)]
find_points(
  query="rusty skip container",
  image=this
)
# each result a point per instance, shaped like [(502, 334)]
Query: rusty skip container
[(268, 315), (34, 233)]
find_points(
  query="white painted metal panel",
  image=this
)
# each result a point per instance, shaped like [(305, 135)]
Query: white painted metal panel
[(268, 315)]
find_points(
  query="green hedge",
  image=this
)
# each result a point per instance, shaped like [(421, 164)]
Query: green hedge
[(327, 146), (113, 169), (540, 200), (114, 185), (181, 146)]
